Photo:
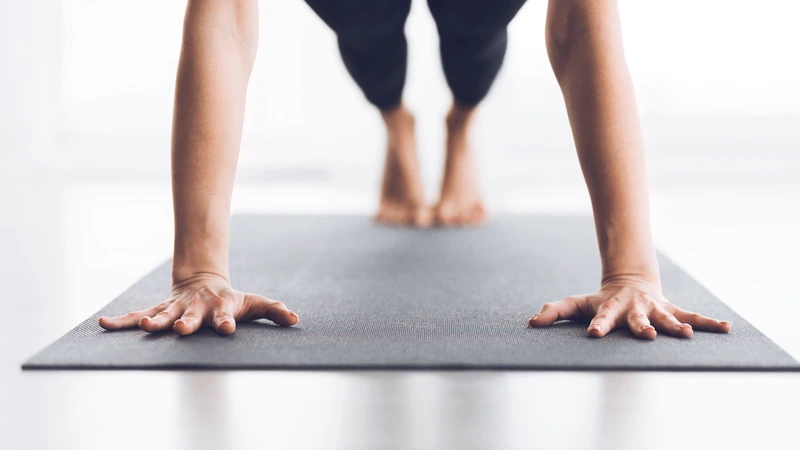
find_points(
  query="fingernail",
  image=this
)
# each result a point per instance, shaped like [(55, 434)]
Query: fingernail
[(685, 325), (596, 327), (293, 314), (536, 316)]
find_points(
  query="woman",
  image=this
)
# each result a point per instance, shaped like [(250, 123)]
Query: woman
[(584, 44)]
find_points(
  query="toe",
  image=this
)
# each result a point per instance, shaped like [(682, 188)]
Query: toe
[(446, 215), (389, 214), (380, 216), (422, 217), (478, 215)]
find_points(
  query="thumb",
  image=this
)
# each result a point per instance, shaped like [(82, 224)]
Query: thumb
[(260, 307), (565, 309)]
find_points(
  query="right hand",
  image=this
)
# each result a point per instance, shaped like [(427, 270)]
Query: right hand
[(204, 300)]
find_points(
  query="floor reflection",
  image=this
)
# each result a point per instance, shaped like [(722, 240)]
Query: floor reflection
[(622, 412), (67, 250), (203, 405)]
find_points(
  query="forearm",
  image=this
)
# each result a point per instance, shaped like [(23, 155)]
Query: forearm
[(217, 54), (585, 47)]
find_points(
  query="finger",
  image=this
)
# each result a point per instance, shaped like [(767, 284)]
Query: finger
[(189, 322), (640, 325), (161, 321), (130, 320), (565, 309), (223, 321), (666, 322), (262, 307), (606, 319), (700, 322)]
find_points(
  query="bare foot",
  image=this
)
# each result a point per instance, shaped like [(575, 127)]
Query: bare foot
[(402, 196), (460, 202)]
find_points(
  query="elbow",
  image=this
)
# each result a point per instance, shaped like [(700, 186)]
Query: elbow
[(566, 33), (231, 23)]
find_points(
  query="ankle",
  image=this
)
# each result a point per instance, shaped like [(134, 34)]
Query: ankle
[(459, 118)]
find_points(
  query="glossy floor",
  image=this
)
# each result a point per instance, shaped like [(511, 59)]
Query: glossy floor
[(70, 246)]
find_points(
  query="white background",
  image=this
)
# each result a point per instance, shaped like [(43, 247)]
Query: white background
[(87, 86), (85, 211)]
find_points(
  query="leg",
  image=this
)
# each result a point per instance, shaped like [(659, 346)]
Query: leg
[(372, 43), (373, 46), (472, 41)]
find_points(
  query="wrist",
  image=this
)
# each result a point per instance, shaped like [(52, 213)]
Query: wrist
[(182, 279), (632, 275), (198, 250), (192, 261), (183, 272), (628, 254)]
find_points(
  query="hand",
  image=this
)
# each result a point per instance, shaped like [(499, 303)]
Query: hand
[(627, 303), (203, 300)]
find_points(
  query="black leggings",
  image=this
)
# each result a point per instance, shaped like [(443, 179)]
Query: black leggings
[(472, 41)]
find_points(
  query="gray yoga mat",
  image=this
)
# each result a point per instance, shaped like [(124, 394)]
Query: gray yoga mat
[(373, 297)]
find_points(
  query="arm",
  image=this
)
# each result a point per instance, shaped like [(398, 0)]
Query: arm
[(218, 52), (217, 55), (584, 43)]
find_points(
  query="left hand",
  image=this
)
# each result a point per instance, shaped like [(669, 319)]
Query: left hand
[(630, 303)]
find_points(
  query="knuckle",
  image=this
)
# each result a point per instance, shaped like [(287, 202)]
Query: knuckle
[(220, 315), (609, 303), (190, 317), (219, 320), (279, 305), (657, 316), (661, 315), (195, 302), (637, 315), (219, 302), (673, 319)]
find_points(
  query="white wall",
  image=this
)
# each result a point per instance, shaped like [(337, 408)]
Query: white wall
[(112, 83)]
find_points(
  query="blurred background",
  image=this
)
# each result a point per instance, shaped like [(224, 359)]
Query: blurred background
[(86, 90)]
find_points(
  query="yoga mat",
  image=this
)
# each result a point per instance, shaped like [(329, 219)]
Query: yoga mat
[(375, 297)]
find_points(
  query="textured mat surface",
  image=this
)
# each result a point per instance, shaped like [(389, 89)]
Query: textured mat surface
[(394, 298)]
